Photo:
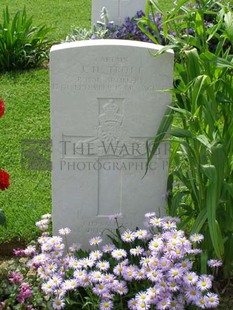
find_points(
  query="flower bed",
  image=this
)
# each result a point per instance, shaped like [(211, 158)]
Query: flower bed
[(149, 268)]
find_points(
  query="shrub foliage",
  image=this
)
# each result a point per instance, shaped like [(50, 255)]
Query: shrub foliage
[(22, 45), (200, 184)]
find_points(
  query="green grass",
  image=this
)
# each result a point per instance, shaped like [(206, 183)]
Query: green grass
[(26, 97), (60, 15)]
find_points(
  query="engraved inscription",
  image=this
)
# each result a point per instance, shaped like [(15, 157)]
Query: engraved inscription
[(76, 87), (107, 74), (96, 227), (109, 59), (108, 69)]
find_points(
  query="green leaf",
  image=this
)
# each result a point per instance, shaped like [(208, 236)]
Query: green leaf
[(210, 172), (182, 133), (228, 20), (228, 261), (161, 132), (229, 188), (155, 6), (199, 25), (218, 159), (198, 89), (2, 218), (199, 221), (223, 63), (192, 64), (182, 111), (217, 61), (143, 23), (212, 200), (204, 140), (185, 223), (204, 259), (178, 6), (175, 202)]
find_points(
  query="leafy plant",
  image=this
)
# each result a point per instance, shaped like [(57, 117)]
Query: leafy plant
[(129, 30), (201, 118), (21, 44), (98, 31), (106, 29), (20, 284)]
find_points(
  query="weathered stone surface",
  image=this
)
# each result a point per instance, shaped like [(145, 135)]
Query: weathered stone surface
[(105, 104)]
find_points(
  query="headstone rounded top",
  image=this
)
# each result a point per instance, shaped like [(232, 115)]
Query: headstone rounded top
[(108, 42)]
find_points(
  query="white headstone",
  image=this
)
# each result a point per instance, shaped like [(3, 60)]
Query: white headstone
[(117, 9), (105, 104)]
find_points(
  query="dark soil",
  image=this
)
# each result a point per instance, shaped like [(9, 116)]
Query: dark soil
[(225, 290), (6, 248)]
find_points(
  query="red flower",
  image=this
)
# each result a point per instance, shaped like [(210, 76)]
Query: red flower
[(2, 107), (4, 180)]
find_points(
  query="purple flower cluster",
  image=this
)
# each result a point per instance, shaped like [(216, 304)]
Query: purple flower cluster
[(151, 268), (24, 293), (29, 251), (24, 287), (20, 287), (129, 30), (15, 277)]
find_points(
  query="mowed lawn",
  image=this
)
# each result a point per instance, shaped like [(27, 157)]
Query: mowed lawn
[(27, 118), (60, 15)]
